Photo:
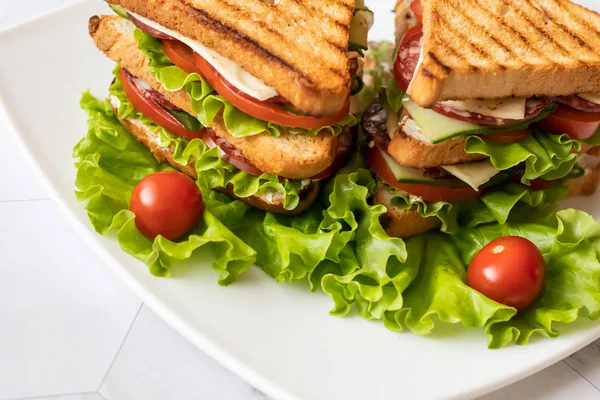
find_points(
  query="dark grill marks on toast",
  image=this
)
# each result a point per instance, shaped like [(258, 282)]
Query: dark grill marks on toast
[(522, 38), (522, 48), (219, 26), (581, 22), (543, 34), (563, 9), (436, 60), (465, 39), (312, 9), (338, 46), (497, 41)]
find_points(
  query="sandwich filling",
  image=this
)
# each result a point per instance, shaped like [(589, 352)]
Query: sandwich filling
[(201, 154), (236, 91), (460, 154), (227, 104)]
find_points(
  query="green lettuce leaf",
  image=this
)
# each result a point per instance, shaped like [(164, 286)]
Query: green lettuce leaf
[(570, 245), (494, 206), (339, 244), (571, 248), (546, 156), (377, 75), (207, 104), (109, 164), (212, 170)]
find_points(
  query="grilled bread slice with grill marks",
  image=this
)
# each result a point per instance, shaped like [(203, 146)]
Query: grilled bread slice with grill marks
[(499, 48), (297, 47), (290, 156)]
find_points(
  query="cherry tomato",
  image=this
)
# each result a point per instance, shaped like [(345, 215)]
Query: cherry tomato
[(407, 57), (507, 137), (150, 109), (426, 192), (577, 124), (265, 110), (509, 270), (417, 9), (167, 203), (181, 55)]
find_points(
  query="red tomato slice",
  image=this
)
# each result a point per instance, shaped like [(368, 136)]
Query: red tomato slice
[(265, 111), (166, 203), (509, 270), (407, 57), (417, 9), (181, 55), (577, 124), (507, 137), (153, 111), (426, 192)]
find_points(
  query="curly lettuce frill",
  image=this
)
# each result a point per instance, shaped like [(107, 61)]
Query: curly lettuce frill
[(110, 162)]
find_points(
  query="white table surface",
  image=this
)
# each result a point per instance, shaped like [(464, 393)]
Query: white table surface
[(70, 330)]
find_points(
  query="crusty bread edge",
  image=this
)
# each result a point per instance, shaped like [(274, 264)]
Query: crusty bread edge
[(146, 137), (402, 223), (585, 185)]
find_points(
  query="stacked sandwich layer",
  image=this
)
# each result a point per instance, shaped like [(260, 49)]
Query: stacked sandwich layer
[(437, 141), (268, 141)]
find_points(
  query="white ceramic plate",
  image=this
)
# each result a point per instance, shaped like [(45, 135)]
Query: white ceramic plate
[(278, 337)]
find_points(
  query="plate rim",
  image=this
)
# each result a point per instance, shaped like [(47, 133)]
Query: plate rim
[(197, 338)]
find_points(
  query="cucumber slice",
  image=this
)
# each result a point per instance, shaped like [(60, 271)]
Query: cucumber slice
[(368, 15), (120, 11), (359, 30), (411, 175), (439, 128)]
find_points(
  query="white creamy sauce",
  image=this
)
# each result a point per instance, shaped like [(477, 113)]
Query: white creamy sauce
[(232, 72), (413, 130)]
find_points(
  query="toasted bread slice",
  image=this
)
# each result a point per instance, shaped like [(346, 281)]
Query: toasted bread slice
[(585, 185), (413, 153), (290, 156), (496, 49), (268, 203), (402, 223), (297, 47), (402, 12)]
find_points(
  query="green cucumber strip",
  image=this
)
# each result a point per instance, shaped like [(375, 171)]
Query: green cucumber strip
[(120, 11), (359, 31), (439, 128), (411, 175)]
